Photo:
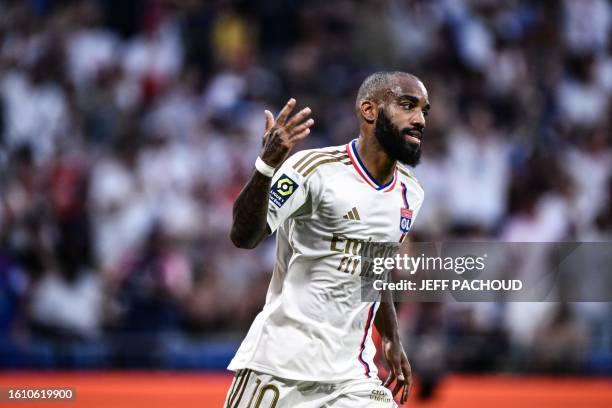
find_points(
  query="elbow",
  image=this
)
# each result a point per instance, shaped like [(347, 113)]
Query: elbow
[(241, 242)]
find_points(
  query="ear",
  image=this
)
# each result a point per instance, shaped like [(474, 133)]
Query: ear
[(368, 111)]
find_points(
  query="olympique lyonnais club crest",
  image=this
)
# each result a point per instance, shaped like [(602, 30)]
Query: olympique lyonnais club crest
[(405, 219)]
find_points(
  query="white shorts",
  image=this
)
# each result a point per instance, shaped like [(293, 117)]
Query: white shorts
[(253, 389)]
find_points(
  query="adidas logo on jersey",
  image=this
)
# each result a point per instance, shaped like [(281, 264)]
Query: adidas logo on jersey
[(352, 215)]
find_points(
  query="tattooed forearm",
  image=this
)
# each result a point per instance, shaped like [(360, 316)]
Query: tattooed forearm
[(250, 212)]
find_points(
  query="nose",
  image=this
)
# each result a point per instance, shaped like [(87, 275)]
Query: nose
[(418, 120)]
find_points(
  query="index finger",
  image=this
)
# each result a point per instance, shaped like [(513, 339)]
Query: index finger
[(284, 113), (405, 393), (398, 386)]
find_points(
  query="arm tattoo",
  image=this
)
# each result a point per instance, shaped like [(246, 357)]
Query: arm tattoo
[(250, 224)]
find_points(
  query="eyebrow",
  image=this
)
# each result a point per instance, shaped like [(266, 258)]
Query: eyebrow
[(410, 98)]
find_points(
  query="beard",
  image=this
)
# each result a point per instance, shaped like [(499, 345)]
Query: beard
[(391, 139)]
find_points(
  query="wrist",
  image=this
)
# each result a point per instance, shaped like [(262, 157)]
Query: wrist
[(393, 337), (264, 168)]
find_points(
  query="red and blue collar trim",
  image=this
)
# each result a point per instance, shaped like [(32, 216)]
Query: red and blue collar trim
[(351, 150)]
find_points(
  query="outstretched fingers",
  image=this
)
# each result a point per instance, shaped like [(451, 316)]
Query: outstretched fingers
[(298, 118), (298, 130), (284, 113), (301, 135), (269, 120), (280, 136)]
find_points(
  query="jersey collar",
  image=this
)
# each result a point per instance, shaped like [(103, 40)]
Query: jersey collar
[(351, 150)]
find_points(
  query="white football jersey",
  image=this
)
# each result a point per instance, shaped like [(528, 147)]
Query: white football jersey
[(314, 325)]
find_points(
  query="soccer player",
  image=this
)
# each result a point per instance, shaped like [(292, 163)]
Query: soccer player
[(311, 344)]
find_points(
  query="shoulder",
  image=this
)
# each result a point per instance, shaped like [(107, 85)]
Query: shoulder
[(406, 176), (307, 162)]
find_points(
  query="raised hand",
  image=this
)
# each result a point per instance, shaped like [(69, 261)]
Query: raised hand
[(283, 133)]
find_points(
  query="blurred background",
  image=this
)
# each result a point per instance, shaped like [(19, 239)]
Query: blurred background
[(127, 129)]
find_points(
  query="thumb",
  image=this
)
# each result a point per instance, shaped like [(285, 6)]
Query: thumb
[(269, 119), (400, 372)]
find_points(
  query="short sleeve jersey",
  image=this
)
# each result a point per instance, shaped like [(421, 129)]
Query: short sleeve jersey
[(314, 325)]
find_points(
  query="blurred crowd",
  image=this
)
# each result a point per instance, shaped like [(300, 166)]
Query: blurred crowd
[(127, 128)]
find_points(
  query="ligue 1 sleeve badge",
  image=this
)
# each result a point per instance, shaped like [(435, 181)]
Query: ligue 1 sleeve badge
[(405, 219)]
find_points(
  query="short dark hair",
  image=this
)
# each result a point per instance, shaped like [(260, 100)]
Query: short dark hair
[(373, 87)]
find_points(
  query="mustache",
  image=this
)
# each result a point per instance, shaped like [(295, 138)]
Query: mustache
[(415, 132)]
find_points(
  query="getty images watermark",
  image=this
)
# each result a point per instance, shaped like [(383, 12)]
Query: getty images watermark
[(488, 271), (458, 265)]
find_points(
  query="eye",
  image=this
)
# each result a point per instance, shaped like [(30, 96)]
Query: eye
[(408, 106), (425, 112)]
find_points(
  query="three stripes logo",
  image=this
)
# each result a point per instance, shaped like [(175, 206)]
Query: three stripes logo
[(352, 215), (316, 158)]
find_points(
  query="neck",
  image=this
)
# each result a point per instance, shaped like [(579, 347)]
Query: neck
[(375, 159)]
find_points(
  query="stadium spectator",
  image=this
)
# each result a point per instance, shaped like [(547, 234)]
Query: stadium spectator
[(127, 128)]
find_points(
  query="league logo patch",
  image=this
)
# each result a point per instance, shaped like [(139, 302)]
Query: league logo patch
[(405, 219), (282, 190)]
